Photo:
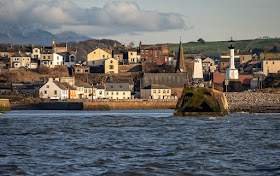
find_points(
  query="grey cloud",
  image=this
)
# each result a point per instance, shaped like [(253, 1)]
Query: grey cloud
[(114, 18)]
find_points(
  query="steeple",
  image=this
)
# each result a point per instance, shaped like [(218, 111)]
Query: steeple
[(180, 65)]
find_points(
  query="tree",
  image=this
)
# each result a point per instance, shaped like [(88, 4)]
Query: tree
[(131, 44), (201, 41)]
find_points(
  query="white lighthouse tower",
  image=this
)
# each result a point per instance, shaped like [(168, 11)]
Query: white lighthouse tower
[(231, 72)]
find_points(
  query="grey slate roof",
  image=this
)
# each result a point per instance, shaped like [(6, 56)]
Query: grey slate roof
[(61, 86), (156, 86), (167, 79), (99, 86), (117, 87), (81, 84), (121, 80)]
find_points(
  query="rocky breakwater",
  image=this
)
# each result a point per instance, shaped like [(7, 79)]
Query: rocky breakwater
[(253, 102)]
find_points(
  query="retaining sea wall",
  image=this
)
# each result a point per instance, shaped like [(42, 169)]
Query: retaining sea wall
[(253, 102), (5, 105)]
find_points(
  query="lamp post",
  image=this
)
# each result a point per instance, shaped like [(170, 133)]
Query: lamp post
[(92, 93)]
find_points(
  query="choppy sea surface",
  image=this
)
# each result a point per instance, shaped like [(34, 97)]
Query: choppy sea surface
[(140, 142)]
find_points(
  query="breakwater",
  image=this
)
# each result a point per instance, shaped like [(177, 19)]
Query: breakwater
[(253, 102)]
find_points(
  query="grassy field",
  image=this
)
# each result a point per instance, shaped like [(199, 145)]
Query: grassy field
[(214, 48)]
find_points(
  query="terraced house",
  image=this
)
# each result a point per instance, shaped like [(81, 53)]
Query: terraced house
[(117, 91), (20, 59)]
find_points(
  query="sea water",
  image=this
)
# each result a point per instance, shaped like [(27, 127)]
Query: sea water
[(140, 142)]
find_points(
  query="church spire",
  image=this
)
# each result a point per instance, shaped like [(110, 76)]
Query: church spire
[(180, 65)]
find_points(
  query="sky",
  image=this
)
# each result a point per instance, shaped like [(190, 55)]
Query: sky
[(151, 21)]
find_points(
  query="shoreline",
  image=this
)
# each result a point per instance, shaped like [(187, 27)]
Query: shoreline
[(238, 102)]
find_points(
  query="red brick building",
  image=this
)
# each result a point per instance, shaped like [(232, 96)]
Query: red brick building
[(154, 54)]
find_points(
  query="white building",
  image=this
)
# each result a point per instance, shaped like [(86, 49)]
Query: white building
[(231, 72), (53, 89), (100, 92)]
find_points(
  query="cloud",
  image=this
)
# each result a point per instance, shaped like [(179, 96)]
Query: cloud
[(112, 19)]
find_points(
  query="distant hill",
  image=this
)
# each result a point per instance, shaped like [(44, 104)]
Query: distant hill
[(85, 47), (16, 34), (213, 48)]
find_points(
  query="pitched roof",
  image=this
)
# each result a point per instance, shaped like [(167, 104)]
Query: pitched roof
[(156, 86), (82, 84), (60, 85), (167, 79), (180, 64), (121, 80), (20, 55), (68, 86), (99, 86), (117, 87)]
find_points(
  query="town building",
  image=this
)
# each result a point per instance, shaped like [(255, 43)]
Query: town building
[(117, 91), (155, 91), (79, 69), (270, 65), (54, 89), (51, 59), (208, 65), (20, 59), (180, 64), (175, 81), (111, 66), (154, 54), (100, 92), (98, 57)]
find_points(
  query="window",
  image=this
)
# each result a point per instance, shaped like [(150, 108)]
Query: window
[(44, 57), (45, 63), (57, 63), (120, 86), (86, 71), (164, 91), (146, 51), (107, 93), (266, 62), (158, 97), (100, 92), (112, 93), (103, 56), (131, 54), (124, 93), (45, 92), (85, 90), (142, 51), (55, 92), (36, 51), (211, 64), (223, 63), (48, 86), (3, 54), (49, 57), (117, 93), (111, 66), (167, 91), (158, 91), (23, 59), (156, 54), (78, 70), (155, 91), (111, 61), (273, 62), (94, 52), (27, 59)]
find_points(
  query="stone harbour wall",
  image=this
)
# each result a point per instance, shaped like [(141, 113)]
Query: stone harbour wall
[(122, 105), (5, 105), (253, 102)]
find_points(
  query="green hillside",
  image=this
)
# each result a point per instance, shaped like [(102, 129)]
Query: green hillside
[(214, 48)]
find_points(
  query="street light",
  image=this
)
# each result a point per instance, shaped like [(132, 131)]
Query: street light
[(92, 93)]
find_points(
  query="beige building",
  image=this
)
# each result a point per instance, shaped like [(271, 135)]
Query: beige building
[(117, 91), (36, 53), (270, 65), (208, 64), (20, 60), (98, 57), (111, 66), (53, 89), (133, 57), (155, 91)]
